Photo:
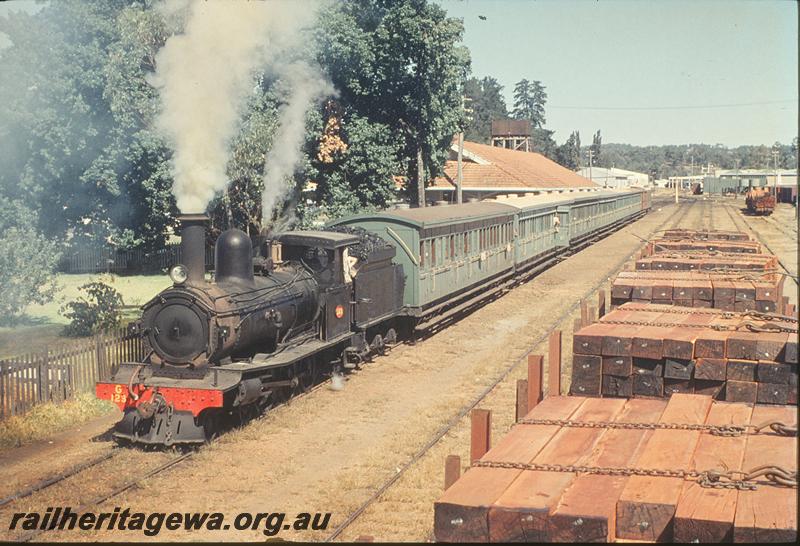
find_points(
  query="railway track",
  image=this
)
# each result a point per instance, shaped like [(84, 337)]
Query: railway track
[(453, 422), (743, 226), (779, 226), (112, 456)]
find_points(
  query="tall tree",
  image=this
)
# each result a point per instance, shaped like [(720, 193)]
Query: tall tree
[(56, 121), (487, 104), (597, 142), (398, 65), (529, 102), (543, 143), (569, 153)]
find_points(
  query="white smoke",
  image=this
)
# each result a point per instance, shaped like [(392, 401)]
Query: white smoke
[(205, 75), (306, 86)]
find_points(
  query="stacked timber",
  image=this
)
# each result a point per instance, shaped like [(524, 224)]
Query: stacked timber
[(705, 234), (658, 350), (636, 474), (705, 261), (729, 291), (707, 245)]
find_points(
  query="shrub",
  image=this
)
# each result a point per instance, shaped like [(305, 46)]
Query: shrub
[(99, 311), (27, 262)]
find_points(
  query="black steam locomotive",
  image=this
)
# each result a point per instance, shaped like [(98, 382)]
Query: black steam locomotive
[(259, 333)]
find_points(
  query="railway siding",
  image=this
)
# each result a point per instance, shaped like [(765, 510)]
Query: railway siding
[(674, 480)]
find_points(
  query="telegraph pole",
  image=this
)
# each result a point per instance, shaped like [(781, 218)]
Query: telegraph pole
[(676, 191), (775, 154), (459, 171), (420, 178), (591, 154)]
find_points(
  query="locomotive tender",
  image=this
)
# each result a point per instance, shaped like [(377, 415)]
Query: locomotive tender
[(263, 329)]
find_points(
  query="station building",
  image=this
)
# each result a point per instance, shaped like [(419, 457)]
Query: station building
[(492, 171), (615, 178)]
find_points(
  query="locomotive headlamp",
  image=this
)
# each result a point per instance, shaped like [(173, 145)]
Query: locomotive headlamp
[(339, 311), (178, 274)]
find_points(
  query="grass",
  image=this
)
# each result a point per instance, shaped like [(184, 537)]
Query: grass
[(41, 325), (47, 419)]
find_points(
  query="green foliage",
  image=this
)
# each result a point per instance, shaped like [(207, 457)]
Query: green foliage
[(676, 160), (398, 65), (99, 311), (487, 104), (363, 177), (529, 101), (597, 142), (27, 261), (542, 142), (569, 153)]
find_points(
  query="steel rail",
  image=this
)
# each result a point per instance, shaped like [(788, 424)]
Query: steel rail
[(738, 222), (44, 484), (136, 481), (472, 404)]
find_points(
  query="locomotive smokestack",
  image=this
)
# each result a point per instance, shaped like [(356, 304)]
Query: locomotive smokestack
[(193, 246)]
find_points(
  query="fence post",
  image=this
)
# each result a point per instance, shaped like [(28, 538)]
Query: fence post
[(584, 313), (480, 437), (554, 364), (522, 399), (452, 470), (601, 304), (100, 353), (535, 371), (43, 376), (3, 390)]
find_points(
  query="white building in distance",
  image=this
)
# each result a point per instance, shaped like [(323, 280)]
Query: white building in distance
[(615, 178)]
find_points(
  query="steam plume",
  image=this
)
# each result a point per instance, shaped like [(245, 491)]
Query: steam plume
[(306, 85), (205, 76)]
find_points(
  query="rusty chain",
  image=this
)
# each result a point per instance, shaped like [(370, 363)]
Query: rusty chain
[(749, 325), (735, 479), (663, 308), (717, 430)]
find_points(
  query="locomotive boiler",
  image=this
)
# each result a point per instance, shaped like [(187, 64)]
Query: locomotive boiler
[(195, 322)]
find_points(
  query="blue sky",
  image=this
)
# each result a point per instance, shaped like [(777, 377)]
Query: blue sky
[(630, 68)]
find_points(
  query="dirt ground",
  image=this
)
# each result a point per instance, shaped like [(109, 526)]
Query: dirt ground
[(330, 450)]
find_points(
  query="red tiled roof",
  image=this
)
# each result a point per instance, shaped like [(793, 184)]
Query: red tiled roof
[(510, 168)]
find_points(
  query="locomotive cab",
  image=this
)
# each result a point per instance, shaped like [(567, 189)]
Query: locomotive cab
[(325, 254)]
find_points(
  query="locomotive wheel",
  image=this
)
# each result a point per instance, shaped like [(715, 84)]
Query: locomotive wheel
[(212, 425), (391, 338), (303, 371), (377, 346)]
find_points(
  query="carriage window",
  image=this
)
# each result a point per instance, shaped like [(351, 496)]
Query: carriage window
[(421, 253), (433, 252), (466, 244), (452, 247)]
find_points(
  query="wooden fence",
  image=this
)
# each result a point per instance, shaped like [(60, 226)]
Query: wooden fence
[(57, 375), (111, 260)]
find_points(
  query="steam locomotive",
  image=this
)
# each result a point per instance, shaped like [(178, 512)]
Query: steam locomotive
[(273, 322)]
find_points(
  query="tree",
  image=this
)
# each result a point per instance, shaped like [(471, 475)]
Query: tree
[(487, 104), (542, 142), (529, 102), (27, 261), (597, 142), (55, 117), (569, 153), (400, 66)]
